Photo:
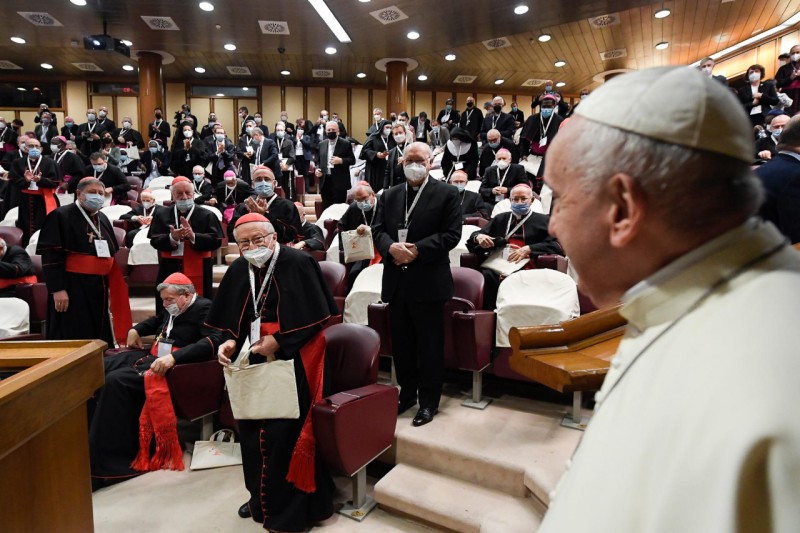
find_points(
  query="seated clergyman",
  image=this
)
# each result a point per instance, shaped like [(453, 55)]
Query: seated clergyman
[(15, 268)]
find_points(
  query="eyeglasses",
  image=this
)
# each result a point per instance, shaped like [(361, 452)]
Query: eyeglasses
[(256, 241)]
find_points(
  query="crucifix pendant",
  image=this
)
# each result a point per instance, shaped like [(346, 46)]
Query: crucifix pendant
[(91, 237)]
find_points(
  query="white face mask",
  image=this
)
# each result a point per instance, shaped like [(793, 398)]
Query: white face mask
[(126, 124), (376, 117), (387, 132), (173, 309), (502, 165), (147, 205), (707, 70), (754, 76), (54, 148), (415, 172), (795, 57), (399, 138), (258, 257), (187, 134)]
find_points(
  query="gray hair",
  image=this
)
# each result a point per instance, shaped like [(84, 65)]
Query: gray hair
[(421, 146), (694, 188), (266, 225), (87, 181), (3, 243), (179, 289)]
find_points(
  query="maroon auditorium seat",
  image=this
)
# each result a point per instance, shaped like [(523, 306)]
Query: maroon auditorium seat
[(356, 423), (120, 233), (332, 228), (11, 234), (299, 188), (36, 295), (476, 221), (196, 390), (336, 278)]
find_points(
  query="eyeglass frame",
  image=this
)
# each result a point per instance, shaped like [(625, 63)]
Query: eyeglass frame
[(258, 241)]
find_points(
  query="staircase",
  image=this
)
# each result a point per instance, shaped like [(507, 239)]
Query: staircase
[(478, 471)]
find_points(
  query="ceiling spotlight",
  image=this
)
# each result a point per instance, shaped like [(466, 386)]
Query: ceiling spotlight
[(662, 13), (560, 63), (78, 2), (127, 67), (412, 35), (543, 38), (220, 94), (521, 10), (199, 70), (285, 72), (230, 47), (330, 50), (450, 57), (245, 88), (362, 74), (363, 1), (662, 45), (18, 40), (23, 89), (560, 84), (48, 66), (499, 82), (422, 77), (206, 6), (127, 43)]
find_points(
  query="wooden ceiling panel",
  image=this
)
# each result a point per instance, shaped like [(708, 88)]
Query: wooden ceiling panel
[(696, 28)]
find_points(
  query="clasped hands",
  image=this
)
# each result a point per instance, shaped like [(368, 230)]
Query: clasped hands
[(256, 206), (30, 176), (517, 254), (185, 231), (403, 252)]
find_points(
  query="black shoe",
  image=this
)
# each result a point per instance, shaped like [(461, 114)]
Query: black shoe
[(424, 415), (244, 510), (405, 405)]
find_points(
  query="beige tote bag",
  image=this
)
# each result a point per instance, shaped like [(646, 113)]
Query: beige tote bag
[(262, 391)]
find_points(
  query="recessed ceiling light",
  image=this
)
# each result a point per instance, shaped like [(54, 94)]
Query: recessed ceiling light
[(127, 67), (412, 35), (362, 74), (78, 2), (285, 72), (662, 13), (422, 77), (126, 42), (543, 38), (560, 84), (199, 70), (220, 94), (560, 63), (499, 82), (450, 57), (206, 6), (521, 10), (230, 47), (245, 88), (18, 40), (363, 1), (48, 66), (662, 45), (330, 20), (23, 89), (330, 50)]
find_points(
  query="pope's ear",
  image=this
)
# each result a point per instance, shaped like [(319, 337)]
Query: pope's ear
[(626, 204)]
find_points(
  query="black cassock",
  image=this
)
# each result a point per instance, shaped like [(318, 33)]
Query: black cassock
[(15, 263), (66, 231), (533, 233), (207, 238), (282, 213), (375, 167), (312, 235), (352, 219), (301, 301), (32, 206), (114, 414)]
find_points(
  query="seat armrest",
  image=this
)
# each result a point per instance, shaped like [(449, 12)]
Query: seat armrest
[(123, 224), (196, 388), (470, 260), (36, 295), (553, 262), (378, 319), (474, 333)]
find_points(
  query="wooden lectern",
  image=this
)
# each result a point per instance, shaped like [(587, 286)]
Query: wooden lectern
[(44, 439)]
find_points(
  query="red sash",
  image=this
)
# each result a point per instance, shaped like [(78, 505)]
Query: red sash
[(49, 196), (519, 243), (118, 291), (377, 259), (301, 467), (8, 282), (192, 265)]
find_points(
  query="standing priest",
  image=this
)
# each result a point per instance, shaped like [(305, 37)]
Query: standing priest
[(35, 178)]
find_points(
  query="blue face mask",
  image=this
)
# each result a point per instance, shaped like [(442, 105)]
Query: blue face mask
[(34, 152), (548, 88), (99, 168), (184, 205), (366, 205), (93, 202), (263, 188), (777, 133), (460, 186), (69, 124), (153, 149), (547, 112), (494, 145), (123, 159), (520, 209)]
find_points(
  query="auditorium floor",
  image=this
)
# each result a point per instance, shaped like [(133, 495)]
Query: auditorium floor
[(515, 435)]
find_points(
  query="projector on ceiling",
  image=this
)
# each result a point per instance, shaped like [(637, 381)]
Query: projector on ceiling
[(106, 42)]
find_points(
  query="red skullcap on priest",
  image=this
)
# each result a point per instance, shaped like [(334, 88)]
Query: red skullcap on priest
[(180, 179), (250, 217), (177, 279)]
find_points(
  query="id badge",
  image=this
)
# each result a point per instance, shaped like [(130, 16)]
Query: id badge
[(32, 186), (101, 247), (499, 197), (298, 151), (164, 347), (178, 252), (188, 157), (459, 166), (542, 142), (506, 252), (255, 330), (2, 145), (402, 235)]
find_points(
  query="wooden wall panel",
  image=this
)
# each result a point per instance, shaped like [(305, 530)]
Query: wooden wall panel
[(174, 97), (441, 98), (101, 100), (252, 106), (201, 108), (361, 113), (422, 102), (127, 106), (379, 100), (27, 118), (225, 110), (481, 98), (338, 103), (315, 102), (294, 103), (76, 100), (736, 65), (271, 105)]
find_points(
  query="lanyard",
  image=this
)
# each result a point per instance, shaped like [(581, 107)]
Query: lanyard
[(168, 329), (61, 157), (274, 196), (228, 194), (364, 216), (468, 113), (265, 285), (89, 220), (543, 133), (34, 169), (385, 144), (187, 217), (414, 203), (91, 126), (501, 181), (521, 222), (494, 121), (100, 177)]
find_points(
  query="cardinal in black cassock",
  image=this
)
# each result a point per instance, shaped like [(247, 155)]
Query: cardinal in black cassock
[(35, 180), (279, 211)]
